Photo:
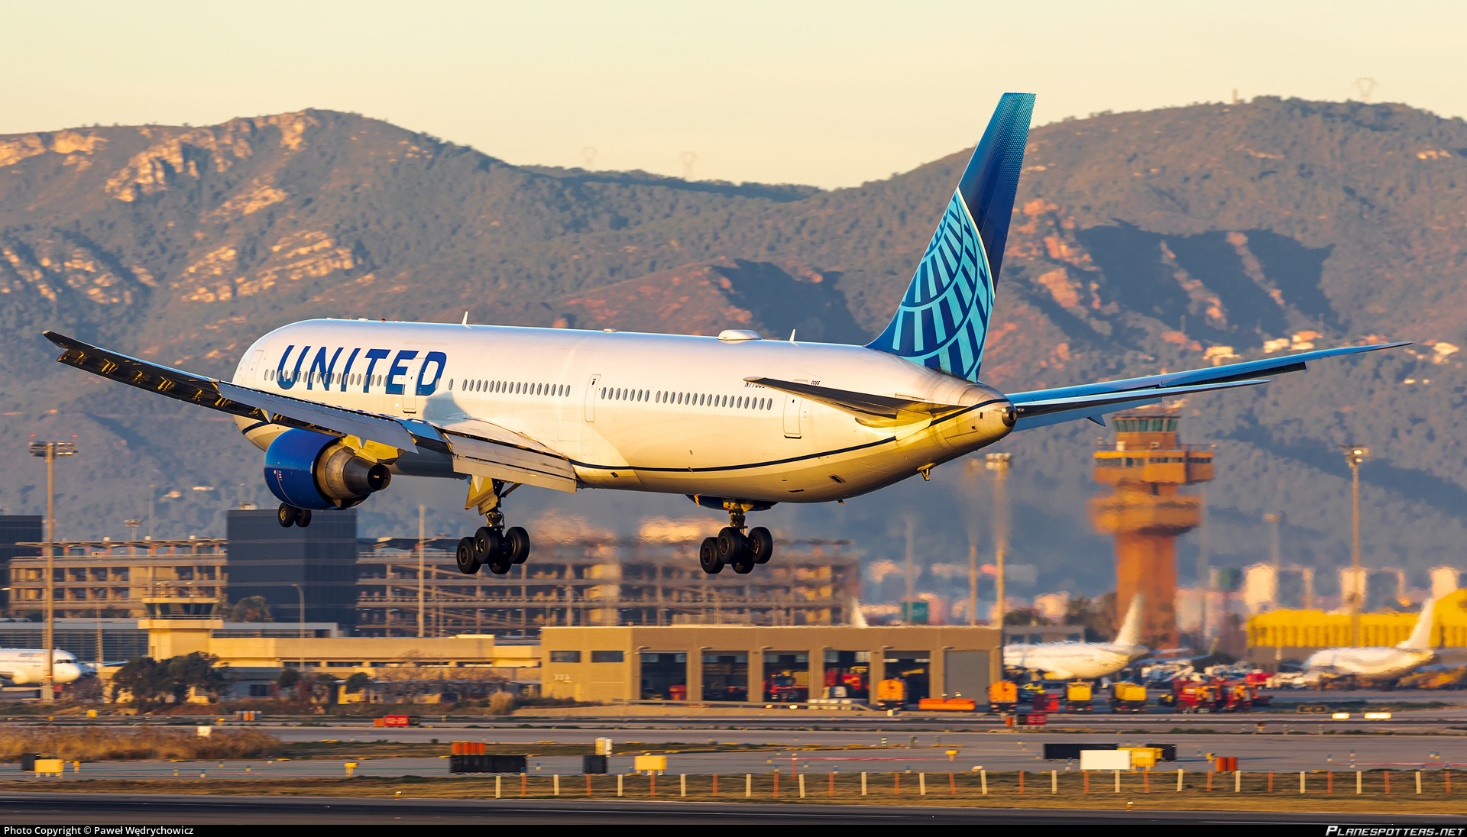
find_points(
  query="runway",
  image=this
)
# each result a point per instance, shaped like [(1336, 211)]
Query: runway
[(182, 810)]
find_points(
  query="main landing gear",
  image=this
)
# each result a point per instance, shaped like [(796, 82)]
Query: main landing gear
[(492, 545), (289, 516), (732, 548)]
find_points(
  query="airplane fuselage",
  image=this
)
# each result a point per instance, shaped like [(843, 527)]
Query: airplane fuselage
[(27, 666), (1072, 660), (1367, 662), (661, 413)]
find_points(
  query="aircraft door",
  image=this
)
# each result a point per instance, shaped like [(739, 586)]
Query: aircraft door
[(591, 397), (588, 427), (793, 406), (408, 401)]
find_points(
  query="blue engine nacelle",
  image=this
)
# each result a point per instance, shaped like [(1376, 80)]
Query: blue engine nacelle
[(315, 471)]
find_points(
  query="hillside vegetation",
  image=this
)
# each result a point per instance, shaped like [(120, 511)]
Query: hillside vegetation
[(1141, 242)]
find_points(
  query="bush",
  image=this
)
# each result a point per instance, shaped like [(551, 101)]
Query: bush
[(109, 744), (502, 703)]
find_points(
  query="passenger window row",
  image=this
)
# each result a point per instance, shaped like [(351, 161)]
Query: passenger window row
[(513, 388), (355, 379), (693, 399)]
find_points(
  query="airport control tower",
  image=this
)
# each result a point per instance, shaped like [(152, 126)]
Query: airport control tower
[(1148, 466)]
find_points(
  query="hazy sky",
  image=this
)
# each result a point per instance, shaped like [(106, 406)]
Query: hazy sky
[(829, 93)]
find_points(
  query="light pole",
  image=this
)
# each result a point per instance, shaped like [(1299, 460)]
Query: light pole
[(1354, 455), (999, 465), (971, 466), (300, 648), (49, 451), (1273, 519)]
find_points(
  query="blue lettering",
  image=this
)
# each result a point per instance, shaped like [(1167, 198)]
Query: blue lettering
[(347, 371), (374, 355), (281, 379), (290, 380), (426, 387), (397, 370), (317, 373)]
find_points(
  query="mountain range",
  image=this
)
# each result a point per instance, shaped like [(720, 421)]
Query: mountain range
[(1141, 242)]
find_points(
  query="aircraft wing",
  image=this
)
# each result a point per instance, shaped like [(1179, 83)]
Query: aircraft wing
[(483, 449), (477, 448), (1176, 383), (1041, 412), (874, 410)]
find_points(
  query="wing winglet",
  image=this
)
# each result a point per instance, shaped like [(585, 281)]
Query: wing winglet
[(1040, 413)]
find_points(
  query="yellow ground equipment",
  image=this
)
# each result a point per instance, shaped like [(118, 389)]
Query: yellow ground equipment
[(1078, 696), (1128, 697), (891, 694), (1003, 696)]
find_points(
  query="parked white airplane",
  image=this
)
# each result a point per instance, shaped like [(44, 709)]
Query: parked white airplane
[(735, 422), (1377, 663), (1082, 660), (27, 666)]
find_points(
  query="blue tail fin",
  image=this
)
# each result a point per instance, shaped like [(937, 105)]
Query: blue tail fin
[(943, 319)]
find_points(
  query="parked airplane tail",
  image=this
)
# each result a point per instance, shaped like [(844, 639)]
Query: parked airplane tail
[(1420, 639), (943, 318), (1130, 632)]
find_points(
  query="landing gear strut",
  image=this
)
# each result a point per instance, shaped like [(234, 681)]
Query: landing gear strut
[(732, 548), (289, 516), (492, 545)]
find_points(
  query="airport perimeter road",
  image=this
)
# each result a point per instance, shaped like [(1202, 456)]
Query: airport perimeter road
[(181, 810)]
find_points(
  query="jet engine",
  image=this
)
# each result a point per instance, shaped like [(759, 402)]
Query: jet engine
[(314, 471)]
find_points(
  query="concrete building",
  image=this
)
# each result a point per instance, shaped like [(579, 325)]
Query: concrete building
[(744, 663), (15, 530), (1295, 634), (105, 578), (1444, 581), (1267, 588)]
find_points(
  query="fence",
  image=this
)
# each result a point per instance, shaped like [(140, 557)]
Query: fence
[(915, 786)]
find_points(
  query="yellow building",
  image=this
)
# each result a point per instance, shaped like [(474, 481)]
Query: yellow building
[(1294, 634)]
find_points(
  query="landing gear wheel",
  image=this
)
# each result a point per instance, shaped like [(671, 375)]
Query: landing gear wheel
[(731, 545), (745, 563), (489, 545), (303, 517), (501, 565), (761, 544), (467, 556), (517, 544), (286, 515), (708, 557)]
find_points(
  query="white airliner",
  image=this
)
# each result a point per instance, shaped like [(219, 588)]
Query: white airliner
[(27, 666), (1082, 660), (1377, 663), (735, 422)]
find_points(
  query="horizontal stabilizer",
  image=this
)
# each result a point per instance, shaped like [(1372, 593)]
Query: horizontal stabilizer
[(874, 410), (1041, 413)]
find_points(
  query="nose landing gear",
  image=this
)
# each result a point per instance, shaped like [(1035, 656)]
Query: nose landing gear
[(733, 548), (492, 545)]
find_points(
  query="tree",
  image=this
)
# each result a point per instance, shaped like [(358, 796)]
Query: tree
[(1023, 616), (288, 678), (142, 679), (357, 682), (1097, 616), (195, 672), (250, 609)]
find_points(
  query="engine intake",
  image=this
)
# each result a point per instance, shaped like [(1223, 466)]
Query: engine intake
[(314, 471)]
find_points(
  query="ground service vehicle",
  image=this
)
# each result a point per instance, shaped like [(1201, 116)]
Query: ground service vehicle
[(1127, 697), (891, 693), (785, 687), (1003, 696), (1078, 696)]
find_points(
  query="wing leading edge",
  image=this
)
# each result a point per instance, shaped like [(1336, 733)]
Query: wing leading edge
[(478, 448), (1038, 408)]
